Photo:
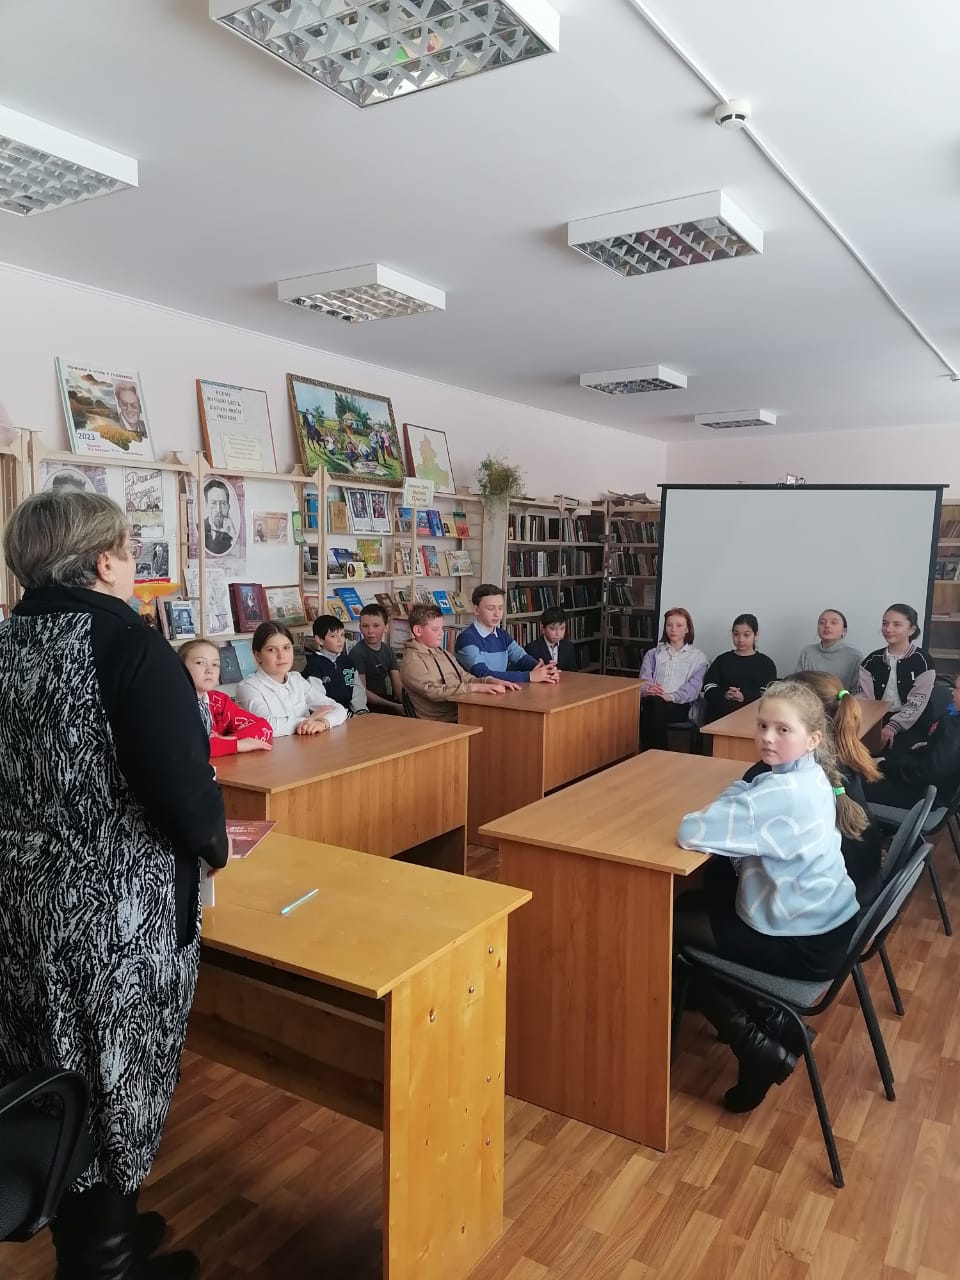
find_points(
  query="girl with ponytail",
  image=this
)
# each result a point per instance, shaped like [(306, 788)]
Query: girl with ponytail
[(778, 897)]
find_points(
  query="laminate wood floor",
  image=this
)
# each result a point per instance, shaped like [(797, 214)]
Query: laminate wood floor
[(267, 1187)]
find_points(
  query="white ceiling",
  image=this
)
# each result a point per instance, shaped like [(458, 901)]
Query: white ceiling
[(249, 174)]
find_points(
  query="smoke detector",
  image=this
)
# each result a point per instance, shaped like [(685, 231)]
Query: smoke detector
[(631, 382), (732, 114), (738, 418)]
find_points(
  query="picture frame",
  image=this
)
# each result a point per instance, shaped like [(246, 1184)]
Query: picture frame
[(105, 412), (350, 434), (428, 457), (249, 604), (285, 604), (236, 427)]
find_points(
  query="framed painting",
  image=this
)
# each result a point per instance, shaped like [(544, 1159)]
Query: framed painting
[(350, 434), (105, 411), (428, 457)]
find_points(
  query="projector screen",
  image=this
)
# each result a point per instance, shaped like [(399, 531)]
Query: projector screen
[(787, 554)]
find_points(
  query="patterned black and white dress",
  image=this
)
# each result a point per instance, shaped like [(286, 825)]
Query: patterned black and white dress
[(107, 800)]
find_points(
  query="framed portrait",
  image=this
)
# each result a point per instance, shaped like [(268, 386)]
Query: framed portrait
[(428, 457), (217, 522), (285, 604), (270, 527), (105, 411), (351, 434), (64, 475), (235, 422)]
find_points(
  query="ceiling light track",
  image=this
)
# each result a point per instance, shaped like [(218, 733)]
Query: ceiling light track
[(805, 195)]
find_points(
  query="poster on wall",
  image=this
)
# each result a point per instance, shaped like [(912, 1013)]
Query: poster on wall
[(428, 457), (64, 475), (143, 497), (236, 427), (223, 514), (105, 411), (349, 433)]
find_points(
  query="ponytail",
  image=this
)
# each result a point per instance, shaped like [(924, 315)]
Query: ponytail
[(843, 712), (851, 819)]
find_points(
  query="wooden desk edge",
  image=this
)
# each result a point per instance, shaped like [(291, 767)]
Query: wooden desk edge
[(522, 896), (478, 700), (242, 784), (687, 860)]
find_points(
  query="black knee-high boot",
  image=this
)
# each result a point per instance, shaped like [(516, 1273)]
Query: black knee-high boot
[(98, 1236), (763, 1060)]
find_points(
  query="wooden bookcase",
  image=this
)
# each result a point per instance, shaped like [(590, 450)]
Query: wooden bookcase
[(631, 563), (13, 485), (944, 638), (553, 555)]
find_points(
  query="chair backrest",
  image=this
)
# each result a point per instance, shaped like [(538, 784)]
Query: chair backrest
[(408, 708), (41, 1151), (879, 915), (907, 835)]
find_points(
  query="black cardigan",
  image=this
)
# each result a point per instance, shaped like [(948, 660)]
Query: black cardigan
[(750, 674)]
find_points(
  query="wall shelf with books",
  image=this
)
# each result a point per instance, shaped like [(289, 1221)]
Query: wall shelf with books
[(631, 566), (944, 638)]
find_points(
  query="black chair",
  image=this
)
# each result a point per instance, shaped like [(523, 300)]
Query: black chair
[(408, 708), (43, 1149), (800, 999), (942, 815), (898, 852)]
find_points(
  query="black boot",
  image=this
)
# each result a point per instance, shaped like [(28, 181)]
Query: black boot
[(98, 1236), (782, 1028), (763, 1060)]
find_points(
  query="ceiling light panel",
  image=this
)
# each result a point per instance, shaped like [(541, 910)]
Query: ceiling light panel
[(631, 382), (42, 167), (674, 233), (371, 292), (736, 419), (370, 51)]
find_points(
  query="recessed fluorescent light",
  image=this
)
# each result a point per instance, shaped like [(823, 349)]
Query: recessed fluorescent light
[(630, 382), (42, 167), (370, 51), (740, 418), (371, 292), (674, 233)]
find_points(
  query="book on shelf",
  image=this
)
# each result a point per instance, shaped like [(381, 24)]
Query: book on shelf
[(310, 554), (379, 511), (950, 529), (335, 568), (402, 559), (461, 524), (458, 602), (244, 653), (624, 529), (460, 565), (370, 551), (285, 604), (180, 619), (249, 603), (230, 672), (442, 600), (531, 599), (404, 600), (436, 523), (338, 517), (533, 564), (311, 605), (449, 529), (337, 609), (351, 599), (580, 595), (311, 510), (431, 561), (387, 601), (947, 570), (358, 510), (403, 520), (423, 524)]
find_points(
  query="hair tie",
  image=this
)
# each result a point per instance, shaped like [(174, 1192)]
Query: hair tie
[(844, 693), (839, 791)]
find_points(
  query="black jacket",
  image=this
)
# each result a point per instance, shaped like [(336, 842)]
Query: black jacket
[(936, 763), (337, 676), (567, 659)]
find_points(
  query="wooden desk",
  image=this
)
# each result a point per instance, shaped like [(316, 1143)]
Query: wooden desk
[(543, 737), (382, 998), (588, 1003), (381, 784), (733, 734)]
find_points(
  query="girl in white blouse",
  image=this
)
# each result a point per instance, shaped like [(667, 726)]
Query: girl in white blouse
[(671, 677), (282, 696)]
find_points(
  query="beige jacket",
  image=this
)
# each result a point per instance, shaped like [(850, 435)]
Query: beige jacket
[(432, 677)]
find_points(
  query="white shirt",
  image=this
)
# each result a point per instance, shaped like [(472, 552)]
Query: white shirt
[(553, 650), (286, 705), (891, 693)]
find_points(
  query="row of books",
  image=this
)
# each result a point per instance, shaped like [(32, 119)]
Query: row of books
[(580, 595), (346, 603), (636, 564), (623, 529), (533, 564), (433, 524), (630, 626), (433, 562), (530, 599), (580, 627), (539, 528), (625, 657), (951, 529), (623, 595), (948, 571), (580, 562)]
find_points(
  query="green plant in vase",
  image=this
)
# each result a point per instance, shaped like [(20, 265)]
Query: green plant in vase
[(499, 481)]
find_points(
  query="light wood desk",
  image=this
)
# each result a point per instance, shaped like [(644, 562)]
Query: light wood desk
[(542, 737), (382, 998), (732, 736), (588, 1004), (382, 784)]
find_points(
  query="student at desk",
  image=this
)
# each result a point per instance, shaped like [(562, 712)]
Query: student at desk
[(281, 695), (553, 645), (485, 649), (432, 677), (230, 730)]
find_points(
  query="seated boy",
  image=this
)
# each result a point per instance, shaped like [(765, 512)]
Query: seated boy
[(933, 762), (553, 645), (432, 677), (485, 649), (331, 665), (376, 663)]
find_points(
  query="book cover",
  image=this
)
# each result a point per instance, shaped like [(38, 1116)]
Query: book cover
[(337, 609), (247, 662), (249, 605), (449, 530), (461, 524), (461, 566), (180, 620), (443, 602), (245, 836), (370, 551), (458, 602), (338, 518), (404, 519), (403, 600), (423, 523), (380, 511), (431, 563), (402, 559), (311, 604), (351, 599), (436, 523), (358, 511), (285, 604), (230, 672), (335, 567), (387, 601)]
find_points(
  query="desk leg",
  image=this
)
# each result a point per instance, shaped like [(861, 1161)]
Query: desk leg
[(443, 1112), (588, 1010)]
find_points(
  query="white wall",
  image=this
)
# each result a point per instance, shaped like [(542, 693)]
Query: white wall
[(44, 318), (906, 455)]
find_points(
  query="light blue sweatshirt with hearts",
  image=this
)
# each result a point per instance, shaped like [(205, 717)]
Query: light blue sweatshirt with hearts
[(783, 828)]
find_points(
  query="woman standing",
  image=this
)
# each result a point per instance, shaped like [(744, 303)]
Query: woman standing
[(671, 676), (107, 803)]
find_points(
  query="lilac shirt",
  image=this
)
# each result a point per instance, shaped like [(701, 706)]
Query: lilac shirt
[(680, 672)]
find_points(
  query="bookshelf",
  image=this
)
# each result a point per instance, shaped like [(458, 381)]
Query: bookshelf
[(631, 564), (553, 555), (13, 472), (944, 639)]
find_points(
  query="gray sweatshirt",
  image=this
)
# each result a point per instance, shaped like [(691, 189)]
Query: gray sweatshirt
[(840, 660)]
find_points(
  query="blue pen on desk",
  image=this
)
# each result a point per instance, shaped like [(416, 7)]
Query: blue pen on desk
[(298, 902)]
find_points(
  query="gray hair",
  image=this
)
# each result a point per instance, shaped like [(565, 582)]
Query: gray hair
[(54, 539)]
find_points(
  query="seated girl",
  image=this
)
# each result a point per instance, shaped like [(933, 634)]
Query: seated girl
[(281, 695), (902, 674), (789, 907), (740, 675), (831, 653), (934, 761), (230, 730), (671, 676)]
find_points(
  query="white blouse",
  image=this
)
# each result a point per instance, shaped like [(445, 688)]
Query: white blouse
[(286, 705)]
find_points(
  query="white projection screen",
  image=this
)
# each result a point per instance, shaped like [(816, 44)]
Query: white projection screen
[(786, 554)]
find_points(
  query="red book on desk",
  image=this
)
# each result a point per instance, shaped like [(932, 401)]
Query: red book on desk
[(246, 835)]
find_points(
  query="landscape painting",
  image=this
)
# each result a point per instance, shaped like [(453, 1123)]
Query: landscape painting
[(105, 412), (351, 434)]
